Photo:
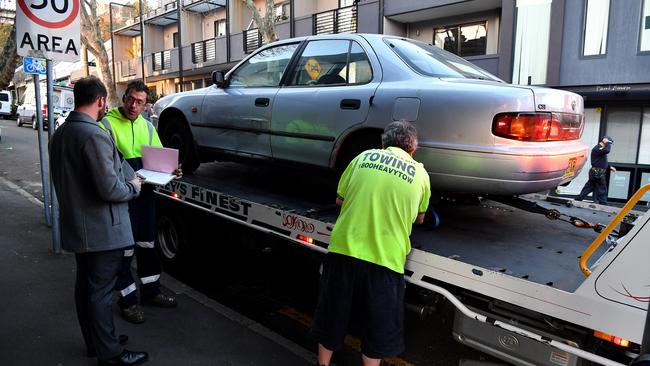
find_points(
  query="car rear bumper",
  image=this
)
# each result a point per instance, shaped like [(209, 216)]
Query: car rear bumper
[(507, 172)]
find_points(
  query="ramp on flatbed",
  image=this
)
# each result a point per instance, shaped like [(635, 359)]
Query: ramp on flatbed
[(488, 234)]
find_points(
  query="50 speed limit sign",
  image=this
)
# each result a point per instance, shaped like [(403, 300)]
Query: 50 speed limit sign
[(48, 29)]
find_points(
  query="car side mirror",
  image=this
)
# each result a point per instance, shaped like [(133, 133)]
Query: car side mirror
[(219, 79)]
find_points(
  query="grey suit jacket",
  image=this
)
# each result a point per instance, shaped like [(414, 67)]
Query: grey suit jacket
[(89, 182)]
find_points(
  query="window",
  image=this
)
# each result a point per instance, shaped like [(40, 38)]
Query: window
[(595, 32), (175, 39), (207, 82), (4, 97), (281, 11), (645, 27), (265, 68), (431, 61), (531, 41), (623, 126), (332, 62), (463, 40), (219, 27), (644, 146), (344, 3)]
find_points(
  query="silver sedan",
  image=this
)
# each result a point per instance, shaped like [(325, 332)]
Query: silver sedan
[(321, 100)]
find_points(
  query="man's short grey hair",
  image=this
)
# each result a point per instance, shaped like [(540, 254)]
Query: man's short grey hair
[(400, 134)]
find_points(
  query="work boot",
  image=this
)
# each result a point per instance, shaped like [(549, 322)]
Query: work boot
[(161, 300), (133, 314)]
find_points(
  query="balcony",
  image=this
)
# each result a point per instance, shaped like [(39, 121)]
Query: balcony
[(204, 51), (129, 69), (161, 60), (163, 14), (341, 20), (203, 6), (252, 40)]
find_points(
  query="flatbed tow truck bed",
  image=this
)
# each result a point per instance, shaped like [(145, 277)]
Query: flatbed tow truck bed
[(487, 248)]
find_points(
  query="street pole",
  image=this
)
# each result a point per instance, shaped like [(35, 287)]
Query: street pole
[(144, 77), (41, 152), (51, 125)]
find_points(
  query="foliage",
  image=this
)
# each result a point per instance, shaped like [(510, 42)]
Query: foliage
[(266, 23), (9, 61), (91, 37), (155, 97)]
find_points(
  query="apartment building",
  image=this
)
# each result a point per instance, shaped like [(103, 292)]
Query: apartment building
[(597, 48)]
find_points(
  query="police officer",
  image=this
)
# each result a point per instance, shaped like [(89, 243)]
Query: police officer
[(130, 131), (599, 166)]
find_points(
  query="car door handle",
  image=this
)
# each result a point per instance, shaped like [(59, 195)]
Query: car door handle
[(350, 104), (262, 102)]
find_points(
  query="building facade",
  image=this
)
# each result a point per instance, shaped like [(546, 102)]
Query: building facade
[(597, 48)]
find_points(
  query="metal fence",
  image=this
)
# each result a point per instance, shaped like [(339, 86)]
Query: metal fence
[(204, 50), (341, 20), (161, 60), (252, 40)]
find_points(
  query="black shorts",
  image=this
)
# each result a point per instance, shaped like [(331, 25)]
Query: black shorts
[(375, 294)]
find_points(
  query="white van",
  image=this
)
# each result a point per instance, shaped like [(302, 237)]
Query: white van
[(6, 100), (62, 100)]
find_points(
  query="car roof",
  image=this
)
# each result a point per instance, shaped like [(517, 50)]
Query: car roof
[(366, 36)]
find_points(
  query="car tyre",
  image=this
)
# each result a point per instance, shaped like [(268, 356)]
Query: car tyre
[(172, 239), (18, 123), (34, 126), (356, 146), (178, 136)]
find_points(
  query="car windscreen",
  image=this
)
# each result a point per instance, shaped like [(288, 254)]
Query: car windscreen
[(432, 61), (4, 97)]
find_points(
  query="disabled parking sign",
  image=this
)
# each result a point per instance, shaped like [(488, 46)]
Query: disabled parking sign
[(48, 29)]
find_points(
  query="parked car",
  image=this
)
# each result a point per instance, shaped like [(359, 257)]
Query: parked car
[(62, 101), (321, 100), (6, 100)]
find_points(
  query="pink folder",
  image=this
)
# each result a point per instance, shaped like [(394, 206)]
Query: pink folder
[(159, 159)]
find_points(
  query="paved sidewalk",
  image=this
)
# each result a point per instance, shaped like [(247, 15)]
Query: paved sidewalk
[(38, 325)]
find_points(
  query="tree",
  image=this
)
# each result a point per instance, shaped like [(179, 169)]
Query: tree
[(9, 61), (91, 37), (265, 24)]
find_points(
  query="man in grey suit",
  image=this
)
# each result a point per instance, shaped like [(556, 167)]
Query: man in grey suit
[(93, 194)]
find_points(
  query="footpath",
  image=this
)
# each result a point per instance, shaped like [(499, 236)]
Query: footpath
[(38, 324)]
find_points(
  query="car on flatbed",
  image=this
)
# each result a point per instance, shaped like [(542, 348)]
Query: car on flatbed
[(321, 100)]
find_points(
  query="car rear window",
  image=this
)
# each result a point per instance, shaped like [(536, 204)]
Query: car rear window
[(4, 97), (433, 61)]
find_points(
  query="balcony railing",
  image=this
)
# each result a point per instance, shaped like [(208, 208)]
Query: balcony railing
[(204, 51), (341, 20), (160, 9), (128, 68), (161, 60), (252, 40)]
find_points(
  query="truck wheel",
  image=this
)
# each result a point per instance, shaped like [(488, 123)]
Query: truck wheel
[(171, 239), (178, 136)]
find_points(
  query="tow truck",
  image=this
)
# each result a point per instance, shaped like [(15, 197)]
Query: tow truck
[(522, 288)]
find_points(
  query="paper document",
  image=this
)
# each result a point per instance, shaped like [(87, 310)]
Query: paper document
[(155, 177), (158, 164)]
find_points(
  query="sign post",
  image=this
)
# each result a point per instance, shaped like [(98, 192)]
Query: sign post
[(48, 29)]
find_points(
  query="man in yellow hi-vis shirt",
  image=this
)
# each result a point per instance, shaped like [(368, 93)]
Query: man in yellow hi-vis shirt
[(130, 131), (382, 193)]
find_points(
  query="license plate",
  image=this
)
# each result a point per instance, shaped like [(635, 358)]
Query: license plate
[(571, 169)]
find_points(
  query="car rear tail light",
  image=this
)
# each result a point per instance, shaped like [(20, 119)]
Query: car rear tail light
[(538, 126)]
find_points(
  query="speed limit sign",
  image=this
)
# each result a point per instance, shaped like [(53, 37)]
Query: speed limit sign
[(48, 29)]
